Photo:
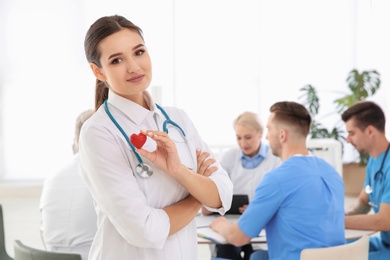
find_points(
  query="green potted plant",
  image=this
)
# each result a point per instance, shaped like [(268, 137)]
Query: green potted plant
[(361, 86), (310, 100)]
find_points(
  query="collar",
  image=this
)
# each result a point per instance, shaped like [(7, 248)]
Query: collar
[(132, 110), (261, 153)]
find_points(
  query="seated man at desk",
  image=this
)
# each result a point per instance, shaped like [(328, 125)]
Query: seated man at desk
[(365, 124), (300, 203), (246, 166)]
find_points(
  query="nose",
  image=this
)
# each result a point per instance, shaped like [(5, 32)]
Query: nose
[(132, 65)]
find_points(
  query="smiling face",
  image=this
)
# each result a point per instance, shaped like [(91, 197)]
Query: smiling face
[(248, 139), (125, 64)]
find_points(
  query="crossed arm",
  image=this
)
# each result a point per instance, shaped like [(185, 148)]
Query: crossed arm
[(166, 158), (181, 213)]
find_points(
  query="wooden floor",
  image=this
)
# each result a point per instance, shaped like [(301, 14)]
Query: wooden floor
[(20, 201)]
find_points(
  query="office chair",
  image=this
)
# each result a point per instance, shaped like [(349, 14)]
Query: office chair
[(23, 252), (357, 250), (3, 251)]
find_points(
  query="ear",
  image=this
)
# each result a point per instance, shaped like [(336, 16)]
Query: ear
[(370, 129), (283, 135), (97, 72)]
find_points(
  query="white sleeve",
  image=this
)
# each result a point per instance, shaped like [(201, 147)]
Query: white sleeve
[(107, 173)]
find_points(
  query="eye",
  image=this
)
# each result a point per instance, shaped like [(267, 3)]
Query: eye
[(139, 52), (116, 61)]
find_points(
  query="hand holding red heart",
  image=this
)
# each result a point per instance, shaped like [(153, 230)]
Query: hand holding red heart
[(138, 140)]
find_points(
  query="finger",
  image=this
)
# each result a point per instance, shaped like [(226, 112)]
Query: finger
[(155, 134), (161, 138), (206, 168), (152, 132), (200, 160), (151, 156), (210, 170), (205, 165), (202, 156)]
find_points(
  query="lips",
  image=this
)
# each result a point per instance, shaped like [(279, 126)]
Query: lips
[(137, 78)]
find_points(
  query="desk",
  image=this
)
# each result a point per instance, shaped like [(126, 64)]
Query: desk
[(202, 223)]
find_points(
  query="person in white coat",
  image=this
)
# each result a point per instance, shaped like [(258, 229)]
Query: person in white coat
[(68, 217), (246, 166), (139, 160)]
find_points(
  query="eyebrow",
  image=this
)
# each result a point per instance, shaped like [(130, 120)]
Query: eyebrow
[(119, 53)]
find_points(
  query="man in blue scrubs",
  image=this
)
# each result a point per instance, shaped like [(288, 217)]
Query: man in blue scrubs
[(365, 123), (300, 204)]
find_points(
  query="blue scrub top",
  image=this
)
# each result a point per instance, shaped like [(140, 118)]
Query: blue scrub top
[(380, 190), (300, 204)]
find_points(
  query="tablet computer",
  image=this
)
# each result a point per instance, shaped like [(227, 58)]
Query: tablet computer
[(238, 201)]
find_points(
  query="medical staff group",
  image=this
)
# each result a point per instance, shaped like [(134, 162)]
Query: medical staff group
[(146, 198)]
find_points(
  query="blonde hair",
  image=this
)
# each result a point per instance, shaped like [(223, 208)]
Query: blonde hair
[(80, 120), (249, 119)]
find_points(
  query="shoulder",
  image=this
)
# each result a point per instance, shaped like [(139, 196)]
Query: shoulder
[(231, 153), (180, 117), (99, 122), (176, 113), (67, 173), (230, 157)]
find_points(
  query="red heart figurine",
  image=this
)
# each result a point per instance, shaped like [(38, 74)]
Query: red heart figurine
[(138, 140)]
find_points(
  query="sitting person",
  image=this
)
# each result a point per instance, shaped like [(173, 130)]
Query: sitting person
[(300, 204), (68, 217), (246, 165), (365, 123)]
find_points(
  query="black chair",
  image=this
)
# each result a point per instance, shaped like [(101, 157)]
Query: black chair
[(3, 251), (23, 252)]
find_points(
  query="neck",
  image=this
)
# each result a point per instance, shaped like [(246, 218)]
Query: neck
[(289, 151), (379, 147)]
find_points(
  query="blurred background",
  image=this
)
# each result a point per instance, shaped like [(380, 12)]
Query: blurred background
[(212, 58)]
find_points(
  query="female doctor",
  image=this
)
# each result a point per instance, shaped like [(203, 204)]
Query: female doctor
[(146, 193)]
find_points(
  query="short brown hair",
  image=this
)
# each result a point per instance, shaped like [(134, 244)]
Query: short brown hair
[(365, 113), (293, 114)]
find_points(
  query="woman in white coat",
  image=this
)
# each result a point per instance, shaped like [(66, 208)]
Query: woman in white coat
[(140, 161)]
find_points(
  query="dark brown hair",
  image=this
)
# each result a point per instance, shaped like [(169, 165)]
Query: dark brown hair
[(293, 114), (365, 113), (99, 30)]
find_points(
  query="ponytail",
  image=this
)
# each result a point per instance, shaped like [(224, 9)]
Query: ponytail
[(101, 93)]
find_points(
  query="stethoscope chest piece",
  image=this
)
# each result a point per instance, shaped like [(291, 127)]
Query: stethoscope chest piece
[(144, 170)]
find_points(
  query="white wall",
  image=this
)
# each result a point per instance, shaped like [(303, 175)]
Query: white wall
[(214, 59)]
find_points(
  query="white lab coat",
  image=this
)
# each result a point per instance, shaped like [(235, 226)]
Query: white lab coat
[(131, 222), (68, 217)]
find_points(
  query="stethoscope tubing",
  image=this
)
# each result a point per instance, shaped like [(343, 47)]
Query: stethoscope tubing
[(123, 132), (380, 171), (143, 169)]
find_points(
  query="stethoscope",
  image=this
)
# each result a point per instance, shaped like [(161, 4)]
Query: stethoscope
[(378, 175), (143, 169)]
